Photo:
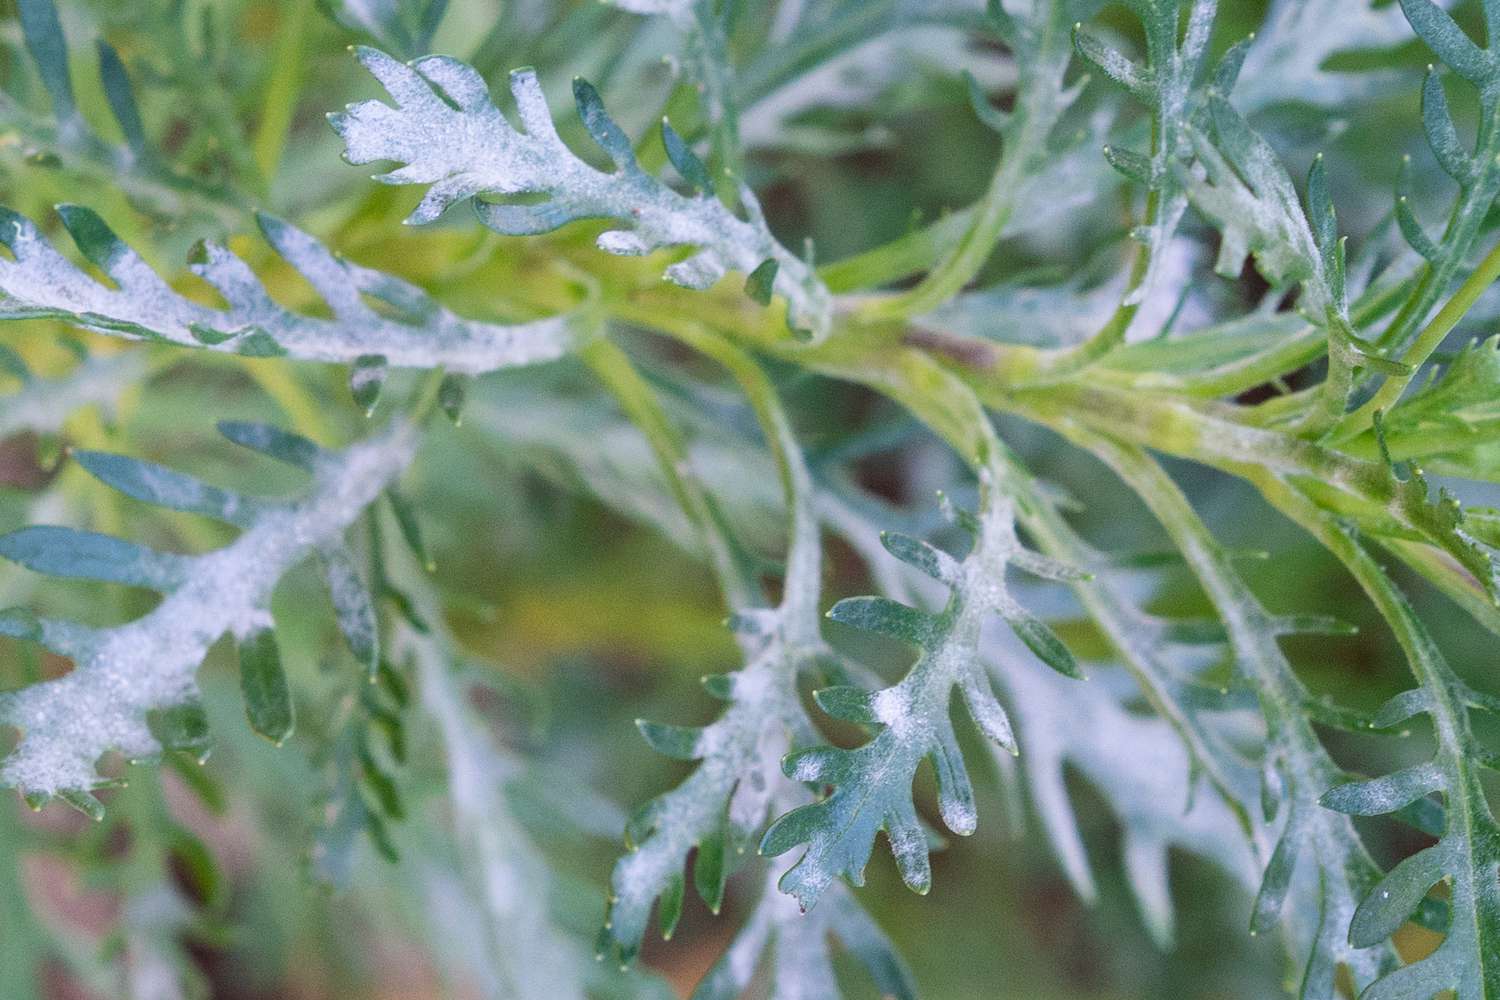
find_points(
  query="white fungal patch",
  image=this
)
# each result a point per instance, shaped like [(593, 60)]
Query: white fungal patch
[(893, 708), (121, 674), (41, 281), (447, 134)]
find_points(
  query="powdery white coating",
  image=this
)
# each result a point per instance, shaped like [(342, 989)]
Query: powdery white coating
[(530, 956), (873, 782), (121, 674), (1137, 763), (41, 282), (352, 604), (735, 777), (1258, 213), (677, 10), (800, 949), (1287, 60), (1088, 725), (1321, 845), (893, 708), (43, 405), (449, 135), (739, 775)]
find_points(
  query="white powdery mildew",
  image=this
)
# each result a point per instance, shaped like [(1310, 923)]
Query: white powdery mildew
[(529, 955), (121, 674), (43, 405), (40, 281), (873, 782), (1288, 60), (738, 777), (1259, 214), (677, 10), (893, 708), (751, 734), (1138, 764), (796, 948), (449, 135)]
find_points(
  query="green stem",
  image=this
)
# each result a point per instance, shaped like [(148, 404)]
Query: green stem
[(1112, 334), (280, 102), (1346, 870), (987, 222), (613, 368), (1040, 92), (899, 258), (1429, 340)]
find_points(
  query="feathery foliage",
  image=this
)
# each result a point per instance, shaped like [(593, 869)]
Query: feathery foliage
[(1116, 277), (872, 784), (131, 688), (445, 132)]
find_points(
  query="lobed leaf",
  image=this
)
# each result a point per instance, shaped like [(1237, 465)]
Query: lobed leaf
[(872, 783), (446, 133), (131, 682), (40, 282)]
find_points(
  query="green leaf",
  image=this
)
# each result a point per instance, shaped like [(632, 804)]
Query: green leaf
[(684, 160), (1396, 897), (1401, 708), (677, 742), (121, 97), (45, 41), (986, 711), (84, 803), (1320, 212), (353, 608), (1411, 229), (1438, 29), (711, 868), (445, 131), (888, 617), (99, 243), (1136, 80), (669, 908), (163, 487), (268, 699), (411, 530), (993, 118), (1442, 134), (761, 282), (932, 561), (293, 449), (1042, 641), (451, 397), (851, 704), (68, 552), (181, 727), (366, 379), (602, 127), (1276, 882), (1131, 165), (873, 782)]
